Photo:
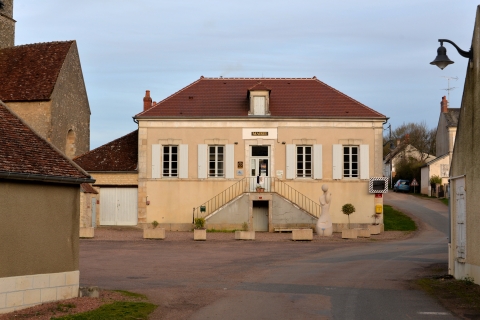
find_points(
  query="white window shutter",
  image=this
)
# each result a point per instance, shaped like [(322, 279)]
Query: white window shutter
[(155, 161), (317, 161), (364, 162), (337, 161), (229, 161), (183, 161), (202, 161), (290, 161)]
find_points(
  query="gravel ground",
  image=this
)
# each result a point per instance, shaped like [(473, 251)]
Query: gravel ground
[(57, 309)]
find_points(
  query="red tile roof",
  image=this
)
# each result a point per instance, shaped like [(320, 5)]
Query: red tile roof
[(87, 188), (25, 155), (289, 98), (118, 155), (29, 72)]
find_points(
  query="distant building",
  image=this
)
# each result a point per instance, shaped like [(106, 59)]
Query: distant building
[(43, 84)]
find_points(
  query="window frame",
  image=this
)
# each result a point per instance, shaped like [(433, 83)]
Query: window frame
[(303, 174), (170, 174), (350, 162), (216, 161)]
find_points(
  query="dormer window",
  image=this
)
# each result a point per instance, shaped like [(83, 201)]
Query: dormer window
[(259, 100)]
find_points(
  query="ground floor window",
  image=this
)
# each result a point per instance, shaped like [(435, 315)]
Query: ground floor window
[(170, 161), (216, 161), (304, 161), (350, 161)]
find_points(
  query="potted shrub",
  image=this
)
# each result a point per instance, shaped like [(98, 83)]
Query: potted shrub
[(154, 232), (260, 188), (348, 209), (375, 228), (199, 231), (244, 234)]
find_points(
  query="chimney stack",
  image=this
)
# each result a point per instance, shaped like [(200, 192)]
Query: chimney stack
[(147, 101), (444, 105)]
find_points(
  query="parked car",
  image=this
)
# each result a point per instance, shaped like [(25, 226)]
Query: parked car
[(402, 185)]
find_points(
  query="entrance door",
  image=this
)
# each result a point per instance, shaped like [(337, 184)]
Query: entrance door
[(260, 215), (260, 167), (118, 206)]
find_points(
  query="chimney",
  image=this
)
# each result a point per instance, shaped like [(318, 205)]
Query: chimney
[(147, 101), (444, 105)]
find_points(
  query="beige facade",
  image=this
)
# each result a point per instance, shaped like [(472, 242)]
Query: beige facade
[(171, 200), (464, 257), (438, 167)]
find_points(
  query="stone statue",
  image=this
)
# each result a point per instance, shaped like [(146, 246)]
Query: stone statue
[(324, 223)]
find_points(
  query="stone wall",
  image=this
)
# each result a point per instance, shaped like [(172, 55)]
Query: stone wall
[(7, 25), (115, 179)]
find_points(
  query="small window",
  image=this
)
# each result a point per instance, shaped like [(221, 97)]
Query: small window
[(304, 161), (350, 161), (216, 161), (170, 161)]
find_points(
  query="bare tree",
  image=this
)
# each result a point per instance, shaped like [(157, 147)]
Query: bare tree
[(418, 135)]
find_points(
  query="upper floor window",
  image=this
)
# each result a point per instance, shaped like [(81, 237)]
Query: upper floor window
[(304, 161), (216, 161), (170, 161), (350, 161)]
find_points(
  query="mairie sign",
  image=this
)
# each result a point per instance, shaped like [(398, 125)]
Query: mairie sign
[(259, 133)]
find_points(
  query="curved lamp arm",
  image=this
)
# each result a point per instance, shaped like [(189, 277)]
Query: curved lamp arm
[(463, 53)]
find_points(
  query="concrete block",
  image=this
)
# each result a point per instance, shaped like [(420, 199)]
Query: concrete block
[(7, 284), (72, 278), (7, 310), (244, 235), (75, 291), (41, 281), (23, 283), (200, 234), (91, 292), (157, 233), (64, 293), (48, 294), (3, 300), (87, 232), (374, 229), (57, 279), (363, 233), (32, 297), (302, 234), (14, 299), (349, 234)]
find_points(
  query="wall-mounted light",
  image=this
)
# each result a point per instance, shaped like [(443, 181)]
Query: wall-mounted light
[(442, 60), (235, 142), (283, 142), (147, 201)]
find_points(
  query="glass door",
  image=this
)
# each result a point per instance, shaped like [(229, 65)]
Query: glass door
[(260, 168)]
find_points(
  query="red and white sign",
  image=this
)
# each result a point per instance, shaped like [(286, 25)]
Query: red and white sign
[(414, 183)]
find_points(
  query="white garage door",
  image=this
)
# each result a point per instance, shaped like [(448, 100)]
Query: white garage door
[(118, 206)]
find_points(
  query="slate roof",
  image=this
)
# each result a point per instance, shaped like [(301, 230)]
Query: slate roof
[(289, 98), (451, 117), (118, 155), (29, 72), (25, 155)]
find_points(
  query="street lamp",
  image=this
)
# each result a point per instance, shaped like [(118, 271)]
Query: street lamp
[(442, 60)]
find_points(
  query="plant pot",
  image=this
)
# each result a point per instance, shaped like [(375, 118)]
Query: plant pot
[(363, 232), (302, 234), (349, 234), (375, 229), (260, 189), (157, 233), (199, 234), (86, 232), (244, 235)]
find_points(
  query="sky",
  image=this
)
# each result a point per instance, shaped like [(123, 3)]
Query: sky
[(376, 51)]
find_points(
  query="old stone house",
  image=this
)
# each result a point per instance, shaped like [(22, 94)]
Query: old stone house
[(445, 141), (256, 151), (39, 229), (43, 84), (114, 167)]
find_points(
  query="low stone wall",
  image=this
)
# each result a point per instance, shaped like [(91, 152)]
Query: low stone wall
[(26, 291)]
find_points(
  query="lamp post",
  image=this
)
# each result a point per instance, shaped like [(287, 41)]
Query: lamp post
[(442, 59)]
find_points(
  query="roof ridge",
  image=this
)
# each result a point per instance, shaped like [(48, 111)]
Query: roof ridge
[(255, 78), (103, 145), (37, 43)]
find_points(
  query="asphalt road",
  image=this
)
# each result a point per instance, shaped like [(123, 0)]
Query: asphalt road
[(278, 280)]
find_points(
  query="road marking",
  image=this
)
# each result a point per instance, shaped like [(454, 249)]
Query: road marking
[(435, 313)]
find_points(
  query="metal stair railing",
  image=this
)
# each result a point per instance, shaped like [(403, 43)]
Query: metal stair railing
[(249, 184)]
